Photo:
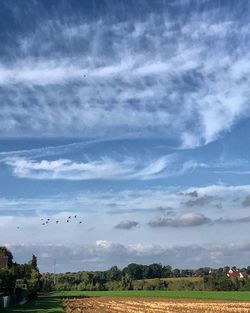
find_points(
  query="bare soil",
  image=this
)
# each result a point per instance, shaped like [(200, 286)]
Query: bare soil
[(153, 305)]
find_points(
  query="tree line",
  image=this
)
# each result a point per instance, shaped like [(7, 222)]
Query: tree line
[(146, 277)]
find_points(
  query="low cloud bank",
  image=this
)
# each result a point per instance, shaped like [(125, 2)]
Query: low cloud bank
[(104, 254)]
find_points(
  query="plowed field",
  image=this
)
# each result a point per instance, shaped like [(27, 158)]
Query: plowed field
[(142, 305)]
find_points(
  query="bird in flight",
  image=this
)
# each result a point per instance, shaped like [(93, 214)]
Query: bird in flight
[(57, 222)]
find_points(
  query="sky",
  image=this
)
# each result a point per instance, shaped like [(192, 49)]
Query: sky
[(132, 116)]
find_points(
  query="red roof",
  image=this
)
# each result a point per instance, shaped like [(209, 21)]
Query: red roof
[(235, 274)]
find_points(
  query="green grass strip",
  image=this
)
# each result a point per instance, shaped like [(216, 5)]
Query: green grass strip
[(208, 295)]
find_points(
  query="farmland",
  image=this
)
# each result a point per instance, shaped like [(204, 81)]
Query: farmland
[(138, 301), (142, 305)]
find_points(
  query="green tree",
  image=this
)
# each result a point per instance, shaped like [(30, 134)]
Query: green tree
[(126, 282), (176, 272), (135, 271), (7, 280), (153, 271), (113, 274), (33, 262), (167, 271), (33, 282)]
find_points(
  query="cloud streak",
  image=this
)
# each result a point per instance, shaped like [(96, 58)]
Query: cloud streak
[(105, 168)]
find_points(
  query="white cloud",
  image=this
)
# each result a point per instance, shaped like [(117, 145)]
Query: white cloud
[(103, 244), (232, 197), (185, 220), (195, 219), (126, 224)]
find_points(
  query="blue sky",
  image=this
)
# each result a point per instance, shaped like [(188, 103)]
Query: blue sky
[(135, 118)]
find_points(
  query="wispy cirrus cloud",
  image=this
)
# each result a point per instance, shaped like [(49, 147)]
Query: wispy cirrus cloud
[(42, 164), (133, 86), (105, 168)]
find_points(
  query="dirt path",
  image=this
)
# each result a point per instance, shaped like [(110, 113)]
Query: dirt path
[(142, 305)]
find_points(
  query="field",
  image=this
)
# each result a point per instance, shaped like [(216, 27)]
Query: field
[(154, 305), (157, 302), (138, 301)]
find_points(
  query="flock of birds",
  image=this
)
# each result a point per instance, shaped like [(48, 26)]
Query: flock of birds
[(45, 221)]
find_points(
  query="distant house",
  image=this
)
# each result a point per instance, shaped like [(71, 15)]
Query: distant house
[(212, 271), (236, 273), (4, 262)]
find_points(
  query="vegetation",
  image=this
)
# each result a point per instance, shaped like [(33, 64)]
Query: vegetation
[(19, 280), (174, 283)]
